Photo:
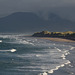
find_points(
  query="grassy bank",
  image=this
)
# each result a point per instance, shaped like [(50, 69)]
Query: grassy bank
[(66, 35)]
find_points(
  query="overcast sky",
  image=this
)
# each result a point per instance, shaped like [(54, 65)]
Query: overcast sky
[(64, 8)]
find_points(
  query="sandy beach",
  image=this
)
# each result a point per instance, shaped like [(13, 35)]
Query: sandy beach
[(57, 39)]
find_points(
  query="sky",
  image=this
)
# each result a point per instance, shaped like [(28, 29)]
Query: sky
[(64, 8)]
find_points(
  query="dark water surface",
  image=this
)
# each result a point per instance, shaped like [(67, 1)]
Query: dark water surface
[(21, 55)]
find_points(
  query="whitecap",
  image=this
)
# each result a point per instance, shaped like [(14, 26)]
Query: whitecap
[(68, 62), (51, 71), (24, 42), (63, 56), (57, 67), (20, 41), (38, 55), (44, 73), (0, 40), (62, 65), (72, 48), (70, 65), (67, 53), (11, 50), (58, 49)]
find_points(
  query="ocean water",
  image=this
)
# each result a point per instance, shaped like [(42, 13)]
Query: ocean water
[(22, 55)]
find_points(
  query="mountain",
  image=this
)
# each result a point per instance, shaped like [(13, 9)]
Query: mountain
[(30, 22)]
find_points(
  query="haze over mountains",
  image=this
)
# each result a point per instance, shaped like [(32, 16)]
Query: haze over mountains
[(31, 22)]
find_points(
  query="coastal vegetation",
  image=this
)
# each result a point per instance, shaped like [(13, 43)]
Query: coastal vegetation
[(66, 35)]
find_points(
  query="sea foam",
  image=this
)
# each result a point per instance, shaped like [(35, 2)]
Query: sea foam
[(72, 48), (66, 52), (13, 50), (10, 50), (0, 41)]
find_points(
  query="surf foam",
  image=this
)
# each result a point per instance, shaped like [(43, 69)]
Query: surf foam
[(66, 52), (58, 49), (72, 48), (0, 40), (11, 50)]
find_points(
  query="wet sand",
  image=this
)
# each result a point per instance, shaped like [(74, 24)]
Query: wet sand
[(57, 39)]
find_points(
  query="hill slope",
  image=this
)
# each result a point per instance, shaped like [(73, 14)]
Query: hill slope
[(28, 21)]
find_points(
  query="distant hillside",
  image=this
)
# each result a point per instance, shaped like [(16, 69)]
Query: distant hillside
[(28, 21), (67, 35)]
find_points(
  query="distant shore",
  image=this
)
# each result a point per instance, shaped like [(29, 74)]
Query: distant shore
[(56, 39), (68, 36)]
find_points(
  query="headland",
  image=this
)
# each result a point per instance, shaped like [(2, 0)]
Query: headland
[(68, 36)]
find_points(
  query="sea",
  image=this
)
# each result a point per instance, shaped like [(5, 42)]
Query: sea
[(26, 55)]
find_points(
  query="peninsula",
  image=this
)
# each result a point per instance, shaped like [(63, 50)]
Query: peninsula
[(68, 36)]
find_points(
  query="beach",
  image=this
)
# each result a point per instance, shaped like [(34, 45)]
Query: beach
[(56, 39)]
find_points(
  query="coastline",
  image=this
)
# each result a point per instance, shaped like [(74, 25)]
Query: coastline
[(67, 69), (67, 36), (56, 39)]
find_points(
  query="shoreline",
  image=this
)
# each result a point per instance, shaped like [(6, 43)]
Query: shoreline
[(68, 69), (56, 39), (67, 36)]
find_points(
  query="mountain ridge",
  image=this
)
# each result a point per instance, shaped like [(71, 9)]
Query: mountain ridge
[(30, 22)]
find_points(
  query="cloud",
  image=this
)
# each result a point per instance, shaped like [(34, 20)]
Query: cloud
[(10, 6), (17, 5)]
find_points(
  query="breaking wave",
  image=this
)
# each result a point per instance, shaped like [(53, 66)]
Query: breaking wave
[(63, 56), (41, 56), (0, 41), (10, 50)]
